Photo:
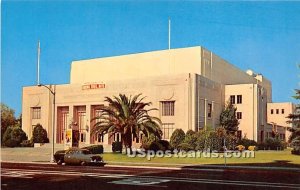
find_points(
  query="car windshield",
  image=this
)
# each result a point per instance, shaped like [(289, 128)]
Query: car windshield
[(86, 152)]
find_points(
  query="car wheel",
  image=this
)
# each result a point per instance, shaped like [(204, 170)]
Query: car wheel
[(59, 162), (83, 163)]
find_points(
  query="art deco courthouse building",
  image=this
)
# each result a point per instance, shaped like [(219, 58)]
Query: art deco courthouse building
[(189, 86)]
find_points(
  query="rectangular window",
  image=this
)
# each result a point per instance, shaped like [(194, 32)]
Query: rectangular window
[(277, 111), (97, 114), (36, 112), (239, 134), (239, 99), (282, 111), (209, 110), (82, 137), (239, 115), (232, 99), (117, 137), (167, 108), (100, 137), (167, 129), (272, 111)]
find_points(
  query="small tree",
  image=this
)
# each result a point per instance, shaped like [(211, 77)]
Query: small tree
[(228, 119), (39, 134), (7, 118), (13, 136), (294, 119), (177, 138)]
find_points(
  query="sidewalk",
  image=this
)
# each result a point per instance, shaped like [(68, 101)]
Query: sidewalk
[(43, 155)]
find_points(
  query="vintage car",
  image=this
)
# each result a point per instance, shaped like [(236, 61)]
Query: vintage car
[(78, 157)]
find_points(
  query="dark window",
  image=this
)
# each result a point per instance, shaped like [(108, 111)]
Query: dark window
[(272, 111), (277, 111), (36, 112), (209, 110), (100, 138), (232, 99), (282, 111), (167, 108), (239, 135), (239, 115), (82, 137), (117, 137), (239, 99)]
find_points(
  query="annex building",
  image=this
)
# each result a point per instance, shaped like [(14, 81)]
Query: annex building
[(189, 86)]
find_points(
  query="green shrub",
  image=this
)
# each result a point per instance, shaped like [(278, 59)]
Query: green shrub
[(165, 145), (39, 134), (117, 146), (177, 138), (201, 140), (296, 146), (95, 149), (27, 143), (272, 144), (214, 142), (185, 147), (191, 139), (158, 145), (13, 136), (146, 141)]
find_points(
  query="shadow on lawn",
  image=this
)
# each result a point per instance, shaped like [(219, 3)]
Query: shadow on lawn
[(275, 163)]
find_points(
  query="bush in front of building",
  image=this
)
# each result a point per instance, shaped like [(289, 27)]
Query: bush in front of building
[(240, 148), (252, 148), (95, 149), (164, 145), (27, 143), (214, 140), (152, 143), (272, 144), (185, 147), (177, 138), (191, 139), (147, 141), (13, 136), (296, 146), (247, 142), (39, 134), (117, 146)]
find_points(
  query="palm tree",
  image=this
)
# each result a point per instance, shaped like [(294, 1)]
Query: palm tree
[(128, 117)]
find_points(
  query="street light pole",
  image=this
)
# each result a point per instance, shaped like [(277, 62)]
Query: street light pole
[(53, 120)]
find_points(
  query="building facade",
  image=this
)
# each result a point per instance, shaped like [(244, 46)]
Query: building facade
[(277, 117), (189, 86)]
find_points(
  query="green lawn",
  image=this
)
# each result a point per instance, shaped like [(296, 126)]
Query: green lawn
[(261, 158)]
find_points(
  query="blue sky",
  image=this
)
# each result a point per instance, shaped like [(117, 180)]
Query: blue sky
[(263, 36)]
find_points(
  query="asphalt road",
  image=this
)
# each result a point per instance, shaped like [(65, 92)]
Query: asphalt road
[(17, 176)]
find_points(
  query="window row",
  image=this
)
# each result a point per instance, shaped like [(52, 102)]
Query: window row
[(239, 99), (277, 111)]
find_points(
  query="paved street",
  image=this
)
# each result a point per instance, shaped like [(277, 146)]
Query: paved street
[(16, 176)]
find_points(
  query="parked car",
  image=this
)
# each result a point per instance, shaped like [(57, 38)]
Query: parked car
[(78, 157)]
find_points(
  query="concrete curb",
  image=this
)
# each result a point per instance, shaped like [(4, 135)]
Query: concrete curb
[(172, 166)]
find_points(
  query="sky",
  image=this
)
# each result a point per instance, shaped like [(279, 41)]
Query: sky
[(262, 36)]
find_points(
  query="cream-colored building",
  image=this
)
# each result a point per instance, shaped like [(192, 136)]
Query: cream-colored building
[(189, 86), (277, 116)]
